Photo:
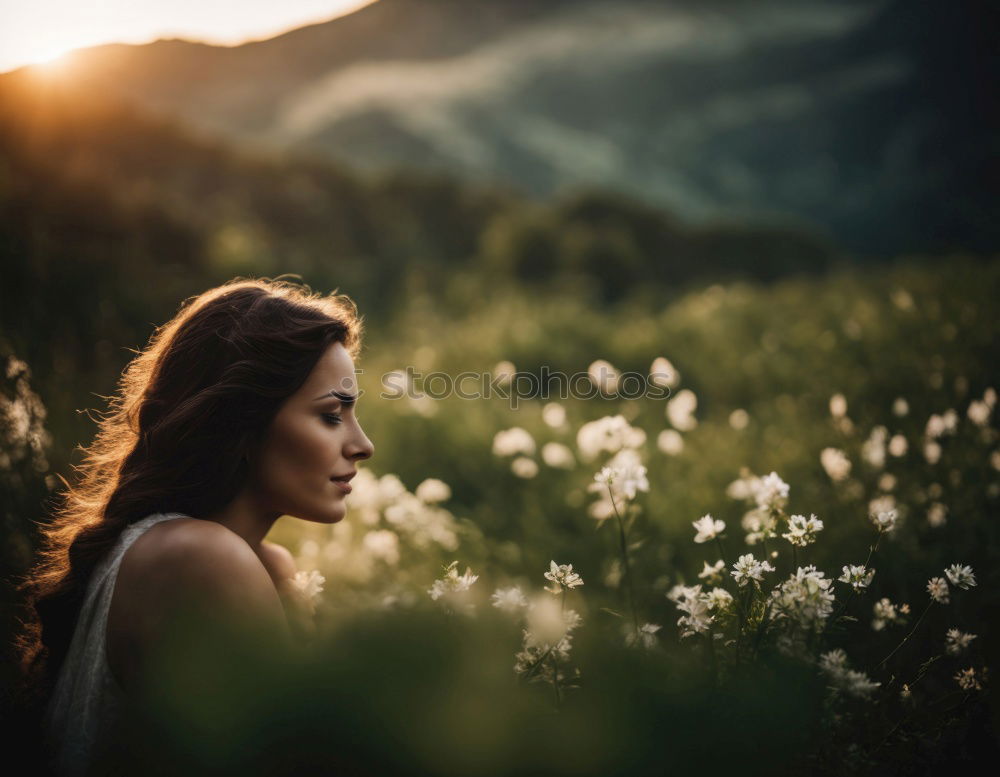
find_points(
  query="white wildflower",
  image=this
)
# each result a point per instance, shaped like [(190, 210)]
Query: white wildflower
[(535, 659), (680, 410), (739, 419), (961, 576), (885, 521), (932, 452), (422, 523), (834, 661), (562, 577), (898, 445), (770, 492), (955, 641), (670, 442), (838, 406), (835, 463), (609, 434), (547, 621), (308, 585), (857, 684), (390, 488), (524, 467), (698, 618), (747, 568), (504, 371), (741, 488), (633, 479), (883, 503), (604, 376), (938, 589), (606, 476), (680, 592), (967, 680), (513, 441), (857, 577), (900, 407), (873, 449), (940, 425), (645, 638), (547, 642), (805, 597), (708, 528), (452, 582), (511, 600), (663, 373), (712, 573), (621, 479), (557, 455), (802, 531), (603, 508), (937, 514), (760, 525), (885, 613), (382, 544), (718, 599), (432, 490), (554, 415), (843, 679), (365, 496)]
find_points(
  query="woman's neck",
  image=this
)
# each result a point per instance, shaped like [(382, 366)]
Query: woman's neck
[(245, 517)]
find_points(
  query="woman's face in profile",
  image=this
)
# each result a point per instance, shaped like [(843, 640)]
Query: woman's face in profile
[(314, 439)]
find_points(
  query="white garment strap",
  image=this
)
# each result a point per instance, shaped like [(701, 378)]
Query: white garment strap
[(87, 697)]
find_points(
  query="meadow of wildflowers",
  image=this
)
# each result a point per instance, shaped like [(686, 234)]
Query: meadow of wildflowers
[(819, 550), (786, 564)]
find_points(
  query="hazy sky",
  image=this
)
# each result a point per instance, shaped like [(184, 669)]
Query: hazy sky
[(38, 30)]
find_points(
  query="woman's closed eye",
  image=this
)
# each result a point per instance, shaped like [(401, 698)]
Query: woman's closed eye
[(333, 418)]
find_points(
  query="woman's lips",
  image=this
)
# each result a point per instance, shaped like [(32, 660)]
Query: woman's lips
[(343, 485)]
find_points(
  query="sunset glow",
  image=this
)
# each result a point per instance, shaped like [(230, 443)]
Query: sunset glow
[(42, 31)]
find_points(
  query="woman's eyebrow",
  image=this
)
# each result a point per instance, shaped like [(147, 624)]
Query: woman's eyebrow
[(345, 399)]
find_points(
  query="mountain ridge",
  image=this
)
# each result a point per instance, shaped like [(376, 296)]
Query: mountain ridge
[(835, 115)]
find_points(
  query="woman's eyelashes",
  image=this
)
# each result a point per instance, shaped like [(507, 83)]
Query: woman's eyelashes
[(333, 418)]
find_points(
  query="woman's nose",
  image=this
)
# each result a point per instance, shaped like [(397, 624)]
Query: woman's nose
[(361, 447)]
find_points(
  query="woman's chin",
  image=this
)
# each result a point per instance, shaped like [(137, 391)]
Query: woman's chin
[(328, 515)]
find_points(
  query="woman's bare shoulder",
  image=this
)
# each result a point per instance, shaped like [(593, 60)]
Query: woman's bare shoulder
[(279, 561), (184, 562), (190, 553)]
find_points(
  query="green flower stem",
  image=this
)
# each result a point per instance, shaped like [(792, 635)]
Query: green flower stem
[(722, 553), (744, 611), (761, 628), (628, 569), (555, 679), (921, 711), (873, 548), (535, 666), (843, 605), (711, 656), (907, 637), (871, 552), (921, 673)]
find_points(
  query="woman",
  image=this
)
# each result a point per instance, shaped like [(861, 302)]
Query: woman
[(239, 411)]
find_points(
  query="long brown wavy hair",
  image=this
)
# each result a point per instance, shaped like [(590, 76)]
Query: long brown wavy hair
[(176, 436)]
